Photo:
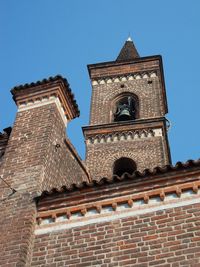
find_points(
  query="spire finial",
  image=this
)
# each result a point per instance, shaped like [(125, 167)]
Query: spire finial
[(128, 51), (129, 38)]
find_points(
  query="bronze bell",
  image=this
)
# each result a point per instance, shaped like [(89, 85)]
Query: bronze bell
[(124, 114)]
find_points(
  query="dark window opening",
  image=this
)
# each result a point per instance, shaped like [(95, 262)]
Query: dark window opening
[(125, 109), (123, 165)]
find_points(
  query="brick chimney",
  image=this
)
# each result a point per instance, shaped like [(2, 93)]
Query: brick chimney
[(38, 156)]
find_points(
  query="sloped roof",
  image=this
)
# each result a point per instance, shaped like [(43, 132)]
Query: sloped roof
[(128, 51), (126, 176)]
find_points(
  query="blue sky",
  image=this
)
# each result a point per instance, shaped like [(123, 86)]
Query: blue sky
[(44, 38)]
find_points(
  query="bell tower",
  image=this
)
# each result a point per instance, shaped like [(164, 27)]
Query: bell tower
[(128, 128)]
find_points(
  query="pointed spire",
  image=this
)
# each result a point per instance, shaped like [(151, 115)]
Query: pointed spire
[(128, 51)]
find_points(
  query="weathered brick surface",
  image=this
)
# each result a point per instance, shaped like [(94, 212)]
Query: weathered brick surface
[(33, 143), (39, 157), (31, 164), (3, 142), (150, 104), (166, 238), (149, 95), (61, 166), (146, 153), (17, 220), (112, 68)]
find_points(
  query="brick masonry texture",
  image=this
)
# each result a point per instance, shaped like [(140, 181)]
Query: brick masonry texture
[(149, 95), (17, 220), (33, 144), (146, 153), (149, 153), (31, 164), (3, 143), (38, 157), (119, 68), (167, 238)]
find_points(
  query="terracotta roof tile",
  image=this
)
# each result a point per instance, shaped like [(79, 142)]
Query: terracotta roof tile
[(126, 176), (46, 81)]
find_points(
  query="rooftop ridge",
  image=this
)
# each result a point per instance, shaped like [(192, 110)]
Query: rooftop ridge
[(125, 176)]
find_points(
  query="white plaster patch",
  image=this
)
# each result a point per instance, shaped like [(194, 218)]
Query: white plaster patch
[(76, 215), (107, 209), (188, 193), (61, 218), (171, 196), (122, 206), (91, 212), (47, 221), (155, 200), (139, 202), (158, 132)]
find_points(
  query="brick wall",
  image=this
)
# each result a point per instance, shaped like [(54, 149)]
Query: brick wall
[(17, 221), (149, 95), (143, 79), (166, 238), (31, 164), (147, 153), (62, 167), (33, 143)]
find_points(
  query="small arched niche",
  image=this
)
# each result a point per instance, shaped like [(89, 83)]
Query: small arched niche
[(125, 107), (123, 165)]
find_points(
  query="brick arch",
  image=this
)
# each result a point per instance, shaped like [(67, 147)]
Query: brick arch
[(108, 164), (123, 165), (113, 96), (113, 93), (120, 96)]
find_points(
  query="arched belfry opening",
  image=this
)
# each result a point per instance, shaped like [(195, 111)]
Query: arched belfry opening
[(123, 165), (125, 108)]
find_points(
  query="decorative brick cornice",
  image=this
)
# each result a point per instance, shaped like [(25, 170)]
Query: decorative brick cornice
[(124, 78), (124, 136), (39, 93), (129, 205), (129, 130)]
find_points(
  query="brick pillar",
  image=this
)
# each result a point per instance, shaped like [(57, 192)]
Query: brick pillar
[(43, 111)]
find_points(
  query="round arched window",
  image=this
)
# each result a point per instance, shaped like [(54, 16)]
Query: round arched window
[(123, 165), (125, 109)]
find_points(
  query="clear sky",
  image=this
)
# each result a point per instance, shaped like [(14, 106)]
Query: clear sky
[(42, 38)]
